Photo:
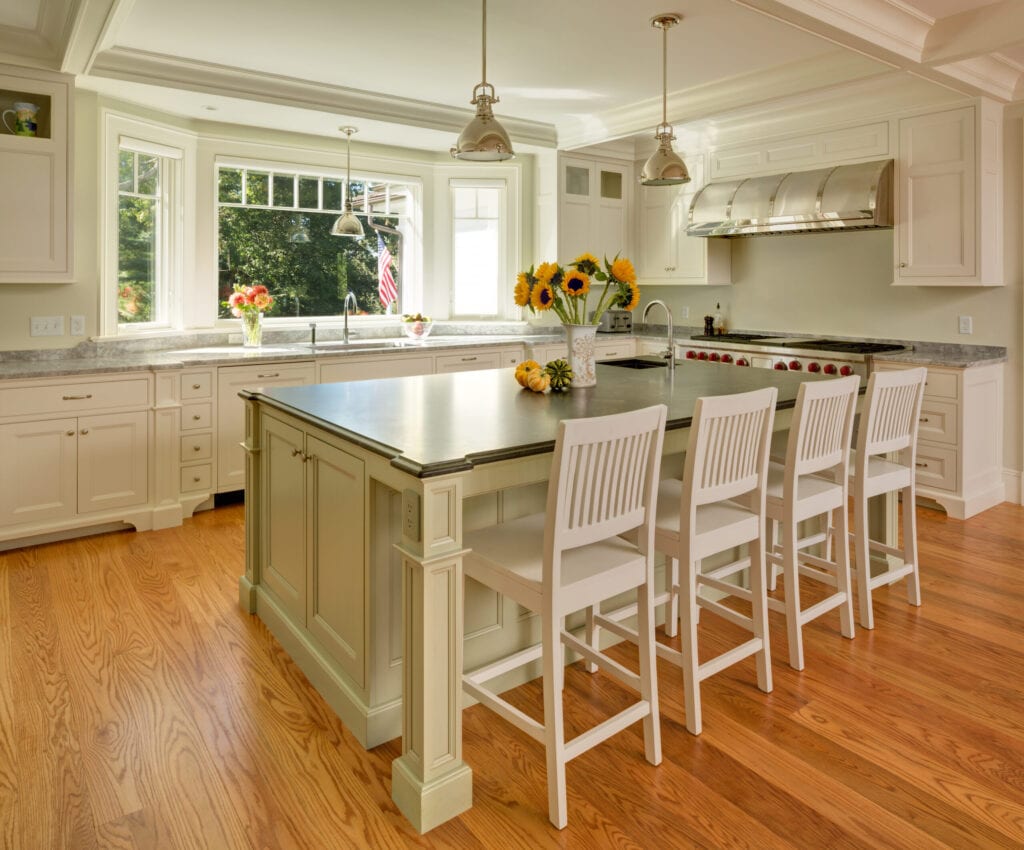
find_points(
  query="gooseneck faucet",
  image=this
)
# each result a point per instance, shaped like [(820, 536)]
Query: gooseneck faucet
[(670, 353), (350, 301)]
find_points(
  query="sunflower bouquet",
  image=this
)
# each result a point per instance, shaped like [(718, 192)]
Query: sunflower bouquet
[(549, 286)]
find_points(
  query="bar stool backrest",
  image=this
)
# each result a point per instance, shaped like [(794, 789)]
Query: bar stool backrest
[(819, 438), (892, 409), (604, 481)]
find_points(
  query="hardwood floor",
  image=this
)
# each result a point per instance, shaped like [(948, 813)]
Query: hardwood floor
[(140, 708)]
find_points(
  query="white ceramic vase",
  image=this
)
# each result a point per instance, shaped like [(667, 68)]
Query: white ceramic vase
[(580, 341)]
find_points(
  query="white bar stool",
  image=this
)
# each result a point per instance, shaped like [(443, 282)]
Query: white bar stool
[(603, 484), (892, 408), (812, 482), (717, 506)]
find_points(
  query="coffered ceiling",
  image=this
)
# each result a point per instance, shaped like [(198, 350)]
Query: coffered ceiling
[(568, 72)]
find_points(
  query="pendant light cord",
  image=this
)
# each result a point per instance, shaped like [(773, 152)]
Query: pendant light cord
[(664, 74), (484, 42)]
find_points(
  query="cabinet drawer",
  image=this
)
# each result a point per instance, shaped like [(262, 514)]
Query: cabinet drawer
[(196, 477), (196, 385), (467, 362), (196, 416), (196, 447), (938, 422), (67, 398), (936, 467), (941, 385), (609, 351)]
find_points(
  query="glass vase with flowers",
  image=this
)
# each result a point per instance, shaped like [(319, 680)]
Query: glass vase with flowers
[(249, 303), (564, 291)]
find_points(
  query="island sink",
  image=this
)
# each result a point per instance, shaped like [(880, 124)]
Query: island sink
[(634, 363)]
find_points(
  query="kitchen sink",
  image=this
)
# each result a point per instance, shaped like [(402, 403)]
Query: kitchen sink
[(633, 363), (355, 344)]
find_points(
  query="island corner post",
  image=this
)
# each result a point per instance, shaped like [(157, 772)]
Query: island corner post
[(397, 669)]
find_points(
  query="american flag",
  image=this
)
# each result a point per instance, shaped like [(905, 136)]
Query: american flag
[(385, 279)]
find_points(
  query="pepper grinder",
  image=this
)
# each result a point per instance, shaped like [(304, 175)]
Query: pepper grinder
[(709, 326)]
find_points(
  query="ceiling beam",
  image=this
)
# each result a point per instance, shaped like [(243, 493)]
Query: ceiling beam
[(975, 32), (93, 27)]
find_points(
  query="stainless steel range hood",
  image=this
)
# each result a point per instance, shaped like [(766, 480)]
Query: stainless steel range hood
[(844, 197)]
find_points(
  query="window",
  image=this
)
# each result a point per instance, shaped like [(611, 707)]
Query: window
[(142, 266), (274, 229), (477, 254)]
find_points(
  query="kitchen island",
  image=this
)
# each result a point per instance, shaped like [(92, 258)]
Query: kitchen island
[(357, 498)]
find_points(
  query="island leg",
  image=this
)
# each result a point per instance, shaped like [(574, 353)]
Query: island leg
[(430, 782)]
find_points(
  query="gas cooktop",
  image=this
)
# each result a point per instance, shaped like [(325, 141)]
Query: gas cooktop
[(844, 346)]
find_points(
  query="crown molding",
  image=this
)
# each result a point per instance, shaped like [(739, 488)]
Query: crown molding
[(92, 26), (989, 75), (172, 72), (688, 105), (27, 48), (974, 33)]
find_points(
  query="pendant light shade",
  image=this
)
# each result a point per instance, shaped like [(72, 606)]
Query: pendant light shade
[(664, 167), (347, 224), (484, 139)]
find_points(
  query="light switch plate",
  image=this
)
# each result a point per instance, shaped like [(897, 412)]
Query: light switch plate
[(966, 325), (78, 326), (411, 515), (47, 326)]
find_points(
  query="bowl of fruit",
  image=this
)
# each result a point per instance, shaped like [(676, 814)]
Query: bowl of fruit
[(416, 326)]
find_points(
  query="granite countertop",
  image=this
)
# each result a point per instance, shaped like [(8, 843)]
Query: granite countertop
[(113, 356), (482, 417)]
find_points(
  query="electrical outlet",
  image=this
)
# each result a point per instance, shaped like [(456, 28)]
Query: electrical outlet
[(411, 515), (684, 313), (78, 326), (966, 325), (47, 326)]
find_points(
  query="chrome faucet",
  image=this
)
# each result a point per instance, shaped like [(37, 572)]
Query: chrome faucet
[(350, 300), (670, 353)]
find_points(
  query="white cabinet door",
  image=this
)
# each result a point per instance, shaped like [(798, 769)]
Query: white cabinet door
[(337, 569), (614, 349), (387, 366), (113, 461), (38, 462), (937, 196), (231, 411), (35, 185), (667, 254), (468, 361), (283, 517), (594, 208)]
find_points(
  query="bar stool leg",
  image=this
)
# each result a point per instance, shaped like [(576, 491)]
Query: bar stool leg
[(648, 673), (688, 624), (863, 560), (839, 527), (554, 731), (591, 637), (759, 614), (791, 582), (910, 546), (672, 609)]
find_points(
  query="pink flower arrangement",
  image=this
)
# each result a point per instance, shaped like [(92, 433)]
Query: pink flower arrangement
[(249, 299)]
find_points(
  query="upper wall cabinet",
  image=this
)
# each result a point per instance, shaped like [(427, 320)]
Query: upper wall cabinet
[(949, 198), (666, 254), (35, 176), (594, 207)]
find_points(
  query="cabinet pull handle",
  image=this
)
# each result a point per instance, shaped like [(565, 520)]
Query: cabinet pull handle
[(84, 431), (196, 417), (77, 397), (196, 386), (903, 265), (71, 433), (196, 479), (921, 464), (296, 452), (923, 419), (468, 359), (270, 375), (196, 449)]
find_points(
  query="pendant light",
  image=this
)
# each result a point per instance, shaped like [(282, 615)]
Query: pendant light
[(347, 224), (665, 167), (484, 139)]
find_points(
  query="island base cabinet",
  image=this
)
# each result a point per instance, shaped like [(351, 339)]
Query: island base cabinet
[(61, 468), (314, 569)]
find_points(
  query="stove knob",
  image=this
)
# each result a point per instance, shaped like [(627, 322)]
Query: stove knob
[(813, 366), (703, 355), (795, 365), (691, 355), (727, 358), (714, 357), (845, 370), (829, 369), (781, 367), (742, 361)]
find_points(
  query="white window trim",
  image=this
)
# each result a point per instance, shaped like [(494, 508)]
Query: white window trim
[(411, 227), (177, 225)]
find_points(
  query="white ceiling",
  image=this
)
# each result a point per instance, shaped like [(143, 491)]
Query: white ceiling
[(568, 72)]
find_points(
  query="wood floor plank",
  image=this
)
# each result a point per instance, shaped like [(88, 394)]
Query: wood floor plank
[(140, 709)]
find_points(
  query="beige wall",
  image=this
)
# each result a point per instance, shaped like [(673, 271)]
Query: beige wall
[(841, 284)]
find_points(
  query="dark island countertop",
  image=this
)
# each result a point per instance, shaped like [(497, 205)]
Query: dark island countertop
[(436, 424)]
